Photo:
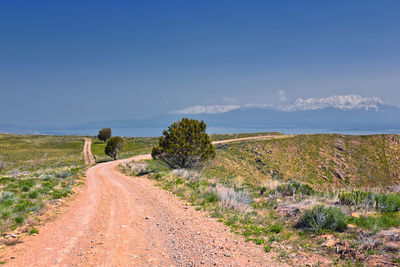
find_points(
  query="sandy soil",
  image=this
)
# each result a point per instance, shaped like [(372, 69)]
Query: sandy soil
[(118, 220)]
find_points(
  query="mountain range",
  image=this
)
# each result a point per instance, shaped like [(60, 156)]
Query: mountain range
[(334, 114)]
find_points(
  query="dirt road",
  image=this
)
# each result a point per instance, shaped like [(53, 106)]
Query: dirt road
[(87, 152), (124, 221), (266, 137)]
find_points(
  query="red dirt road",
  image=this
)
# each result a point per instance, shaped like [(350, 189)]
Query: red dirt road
[(118, 220), (87, 152)]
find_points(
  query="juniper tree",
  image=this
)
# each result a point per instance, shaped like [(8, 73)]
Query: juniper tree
[(114, 145), (104, 134), (184, 145)]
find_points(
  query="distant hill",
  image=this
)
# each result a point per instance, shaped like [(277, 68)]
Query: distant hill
[(378, 117), (339, 161)]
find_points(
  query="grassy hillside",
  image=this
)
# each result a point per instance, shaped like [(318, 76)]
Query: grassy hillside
[(38, 170), (337, 160), (219, 137), (300, 196)]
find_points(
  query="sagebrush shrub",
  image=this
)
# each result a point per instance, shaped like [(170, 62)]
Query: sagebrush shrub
[(6, 196), (293, 188), (322, 218), (379, 201), (231, 198)]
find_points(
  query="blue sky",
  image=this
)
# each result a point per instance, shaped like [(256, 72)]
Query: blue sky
[(65, 62)]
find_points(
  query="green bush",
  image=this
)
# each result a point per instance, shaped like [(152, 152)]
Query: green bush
[(387, 203), (104, 134), (184, 145), (209, 197), (6, 196), (321, 218), (378, 222), (58, 194), (276, 228), (33, 230), (5, 213), (114, 145), (19, 220), (294, 188), (357, 198), (23, 205), (379, 201), (33, 194)]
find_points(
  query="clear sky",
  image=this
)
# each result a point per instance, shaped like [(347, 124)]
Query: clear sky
[(64, 62)]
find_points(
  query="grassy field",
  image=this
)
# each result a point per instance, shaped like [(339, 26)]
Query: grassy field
[(285, 195), (133, 146), (33, 152), (37, 171)]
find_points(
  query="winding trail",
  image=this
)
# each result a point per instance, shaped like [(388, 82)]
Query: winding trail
[(87, 152), (118, 220)]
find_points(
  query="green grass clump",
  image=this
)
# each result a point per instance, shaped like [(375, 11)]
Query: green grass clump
[(377, 222), (293, 188), (33, 230), (267, 248), (380, 201), (357, 198), (388, 202), (320, 218), (276, 228), (19, 220)]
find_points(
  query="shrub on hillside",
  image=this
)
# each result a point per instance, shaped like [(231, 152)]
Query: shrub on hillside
[(379, 201), (184, 145), (6, 196), (104, 134), (357, 198), (321, 218), (232, 199), (293, 188), (186, 174), (387, 202)]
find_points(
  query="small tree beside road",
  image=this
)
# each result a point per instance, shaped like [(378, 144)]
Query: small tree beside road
[(185, 144), (104, 134), (114, 145)]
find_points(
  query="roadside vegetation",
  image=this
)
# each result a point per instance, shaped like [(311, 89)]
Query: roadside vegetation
[(37, 172), (184, 145), (332, 196), (113, 146), (133, 146)]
